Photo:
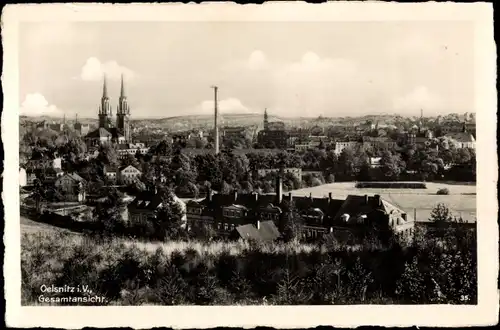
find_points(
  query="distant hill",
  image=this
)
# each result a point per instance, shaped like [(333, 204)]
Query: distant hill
[(177, 123)]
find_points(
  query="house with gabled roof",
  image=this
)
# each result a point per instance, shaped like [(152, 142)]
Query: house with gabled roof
[(374, 212), (144, 206), (128, 174), (462, 139), (72, 186)]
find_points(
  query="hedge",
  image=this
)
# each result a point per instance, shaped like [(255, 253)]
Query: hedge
[(392, 185)]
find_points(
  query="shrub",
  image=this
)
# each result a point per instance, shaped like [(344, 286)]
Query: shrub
[(443, 191), (221, 273)]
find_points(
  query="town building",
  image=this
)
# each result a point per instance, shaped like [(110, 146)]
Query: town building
[(128, 174), (81, 129), (143, 208), (375, 162), (225, 213), (72, 186), (111, 173), (452, 127), (273, 135), (23, 177), (378, 142), (233, 132), (125, 149), (462, 140), (341, 145)]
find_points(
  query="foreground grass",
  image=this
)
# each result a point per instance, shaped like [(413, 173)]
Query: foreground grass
[(125, 272)]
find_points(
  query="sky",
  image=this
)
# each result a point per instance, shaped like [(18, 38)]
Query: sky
[(292, 69)]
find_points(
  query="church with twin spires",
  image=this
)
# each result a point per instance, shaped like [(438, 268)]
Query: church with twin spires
[(107, 132)]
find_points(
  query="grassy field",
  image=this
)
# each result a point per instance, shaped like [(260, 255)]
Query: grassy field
[(29, 227), (461, 200)]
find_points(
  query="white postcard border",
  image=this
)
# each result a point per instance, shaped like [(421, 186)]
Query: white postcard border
[(485, 313)]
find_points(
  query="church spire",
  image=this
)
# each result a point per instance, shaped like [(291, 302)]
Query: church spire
[(122, 90), (104, 89), (266, 120)]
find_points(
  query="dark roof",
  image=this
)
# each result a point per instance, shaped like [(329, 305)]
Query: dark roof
[(377, 139), (267, 231), (109, 169), (146, 201), (248, 231), (99, 133), (75, 177), (115, 132), (355, 206), (125, 166), (112, 132), (461, 137)]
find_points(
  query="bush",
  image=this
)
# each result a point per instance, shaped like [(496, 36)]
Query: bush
[(443, 191), (218, 273)]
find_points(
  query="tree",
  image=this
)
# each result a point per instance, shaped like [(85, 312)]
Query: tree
[(292, 222), (392, 165), (108, 212), (167, 221), (441, 214), (39, 192), (108, 156), (321, 145), (347, 162)]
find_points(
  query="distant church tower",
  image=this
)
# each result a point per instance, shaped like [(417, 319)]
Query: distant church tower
[(122, 114), (104, 108), (266, 120)]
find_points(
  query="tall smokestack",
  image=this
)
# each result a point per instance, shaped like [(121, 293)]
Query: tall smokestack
[(216, 125)]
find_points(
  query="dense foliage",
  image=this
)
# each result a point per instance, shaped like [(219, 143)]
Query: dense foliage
[(125, 273), (188, 173)]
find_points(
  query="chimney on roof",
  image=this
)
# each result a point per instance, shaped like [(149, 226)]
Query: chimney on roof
[(290, 197), (378, 200), (311, 195), (329, 197), (256, 196), (279, 189), (258, 224), (366, 199), (235, 193)]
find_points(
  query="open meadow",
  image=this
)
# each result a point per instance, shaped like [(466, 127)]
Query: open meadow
[(461, 199)]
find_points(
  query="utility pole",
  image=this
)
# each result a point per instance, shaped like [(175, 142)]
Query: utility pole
[(216, 125)]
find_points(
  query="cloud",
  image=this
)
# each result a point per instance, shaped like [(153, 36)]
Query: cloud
[(315, 85), (419, 98), (36, 105), (226, 106), (94, 70), (257, 61), (309, 86)]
